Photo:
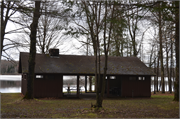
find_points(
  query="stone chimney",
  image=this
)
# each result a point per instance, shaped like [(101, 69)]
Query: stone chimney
[(54, 52)]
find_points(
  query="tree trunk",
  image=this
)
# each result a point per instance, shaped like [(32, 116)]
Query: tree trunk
[(176, 83), (90, 77), (2, 26), (32, 54), (161, 51), (171, 68), (155, 77), (106, 49), (167, 64), (2, 37), (90, 22), (127, 49), (97, 18), (4, 19), (117, 45), (157, 72)]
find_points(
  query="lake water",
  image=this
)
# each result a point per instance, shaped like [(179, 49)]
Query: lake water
[(12, 83)]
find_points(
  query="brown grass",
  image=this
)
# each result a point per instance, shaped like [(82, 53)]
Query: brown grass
[(158, 106)]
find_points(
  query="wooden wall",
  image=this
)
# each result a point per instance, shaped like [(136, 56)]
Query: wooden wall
[(136, 88), (50, 85), (47, 85), (24, 84)]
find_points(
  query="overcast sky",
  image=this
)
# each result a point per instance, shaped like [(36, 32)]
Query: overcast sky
[(70, 45)]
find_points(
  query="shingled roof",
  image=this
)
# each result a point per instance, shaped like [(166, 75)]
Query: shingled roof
[(83, 65)]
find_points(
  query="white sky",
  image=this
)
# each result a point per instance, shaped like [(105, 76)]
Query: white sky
[(67, 47), (70, 46)]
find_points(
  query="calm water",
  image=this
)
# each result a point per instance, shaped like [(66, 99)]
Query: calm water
[(12, 83)]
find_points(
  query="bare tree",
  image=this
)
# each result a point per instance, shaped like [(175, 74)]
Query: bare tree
[(96, 19), (8, 11), (158, 20), (50, 27), (134, 15), (32, 55), (118, 40)]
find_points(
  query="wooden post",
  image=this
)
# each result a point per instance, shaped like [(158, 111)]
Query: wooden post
[(85, 84), (77, 86), (107, 86), (61, 85), (22, 80)]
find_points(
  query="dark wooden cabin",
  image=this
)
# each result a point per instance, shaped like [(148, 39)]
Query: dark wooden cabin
[(126, 76)]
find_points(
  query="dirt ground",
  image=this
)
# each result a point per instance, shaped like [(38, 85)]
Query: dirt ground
[(158, 106), (160, 93)]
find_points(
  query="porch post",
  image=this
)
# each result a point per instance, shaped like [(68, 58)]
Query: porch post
[(22, 86), (61, 85), (86, 84), (77, 86), (107, 86)]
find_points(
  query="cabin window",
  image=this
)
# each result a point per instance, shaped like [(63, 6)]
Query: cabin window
[(141, 78), (39, 76), (112, 77), (132, 78)]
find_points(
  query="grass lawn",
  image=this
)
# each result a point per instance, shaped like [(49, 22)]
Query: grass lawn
[(158, 106)]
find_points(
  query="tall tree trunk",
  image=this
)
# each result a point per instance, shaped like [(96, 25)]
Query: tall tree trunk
[(101, 82), (161, 51), (87, 52), (117, 45), (90, 21), (130, 50), (157, 72), (97, 18), (2, 26), (150, 58), (122, 48), (167, 64), (155, 77), (176, 83), (99, 102), (2, 37), (32, 54), (171, 68)]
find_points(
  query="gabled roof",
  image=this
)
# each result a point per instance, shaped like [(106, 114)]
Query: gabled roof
[(82, 65)]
